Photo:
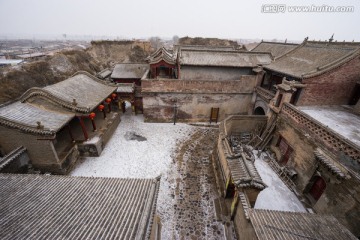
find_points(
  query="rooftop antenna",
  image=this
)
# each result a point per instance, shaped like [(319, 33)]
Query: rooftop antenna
[(332, 38)]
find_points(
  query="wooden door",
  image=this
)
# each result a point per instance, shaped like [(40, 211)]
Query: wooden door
[(318, 188), (214, 115)]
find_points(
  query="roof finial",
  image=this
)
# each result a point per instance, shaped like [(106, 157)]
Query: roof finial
[(74, 102), (39, 125), (332, 38), (285, 40), (305, 40)]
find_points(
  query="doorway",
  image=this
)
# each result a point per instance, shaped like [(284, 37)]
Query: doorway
[(355, 95), (318, 187)]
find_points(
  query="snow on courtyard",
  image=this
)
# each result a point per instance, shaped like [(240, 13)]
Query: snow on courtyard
[(128, 155), (147, 150), (277, 196)]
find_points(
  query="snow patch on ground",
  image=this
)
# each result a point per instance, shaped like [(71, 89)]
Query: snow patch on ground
[(277, 196), (135, 159)]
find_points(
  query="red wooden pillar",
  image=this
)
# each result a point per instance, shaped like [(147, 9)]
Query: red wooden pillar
[(108, 101), (86, 136), (92, 116)]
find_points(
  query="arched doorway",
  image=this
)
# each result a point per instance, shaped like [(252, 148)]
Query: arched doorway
[(127, 105), (318, 187), (259, 111)]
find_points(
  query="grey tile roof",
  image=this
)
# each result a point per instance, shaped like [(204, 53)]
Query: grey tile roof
[(24, 116), (329, 163), (85, 88), (63, 207), (205, 47), (314, 58), (104, 73), (244, 173), (129, 71), (224, 58), (275, 48), (125, 87), (11, 156), (269, 224), (162, 54)]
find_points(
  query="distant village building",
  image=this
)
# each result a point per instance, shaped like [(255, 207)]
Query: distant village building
[(58, 122), (63, 207)]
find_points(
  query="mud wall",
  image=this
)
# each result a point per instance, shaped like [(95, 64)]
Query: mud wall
[(195, 98), (212, 73)]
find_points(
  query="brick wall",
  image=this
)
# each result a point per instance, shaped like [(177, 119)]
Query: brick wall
[(332, 88), (41, 152), (245, 84), (195, 98)]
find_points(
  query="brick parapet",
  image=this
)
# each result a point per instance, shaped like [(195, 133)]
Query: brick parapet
[(316, 129)]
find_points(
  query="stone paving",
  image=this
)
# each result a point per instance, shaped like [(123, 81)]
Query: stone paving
[(191, 189)]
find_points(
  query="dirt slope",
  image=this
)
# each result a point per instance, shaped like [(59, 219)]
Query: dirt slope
[(52, 69), (207, 41), (111, 52)]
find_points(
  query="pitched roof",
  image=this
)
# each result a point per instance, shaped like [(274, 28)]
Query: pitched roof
[(244, 173), (240, 160), (125, 87), (277, 49), (87, 90), (205, 47), (311, 59), (223, 58), (25, 117), (129, 71), (11, 156), (104, 73), (328, 162), (270, 224), (63, 207), (162, 54)]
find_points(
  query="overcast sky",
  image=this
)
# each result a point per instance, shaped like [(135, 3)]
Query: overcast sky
[(233, 19)]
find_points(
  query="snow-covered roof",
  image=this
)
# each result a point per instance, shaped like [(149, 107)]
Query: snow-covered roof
[(129, 71), (87, 90), (10, 61), (269, 224), (125, 87), (33, 119), (338, 119), (63, 207)]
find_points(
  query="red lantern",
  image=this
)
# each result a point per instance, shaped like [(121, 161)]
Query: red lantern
[(101, 107), (92, 115), (108, 100), (113, 96)]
